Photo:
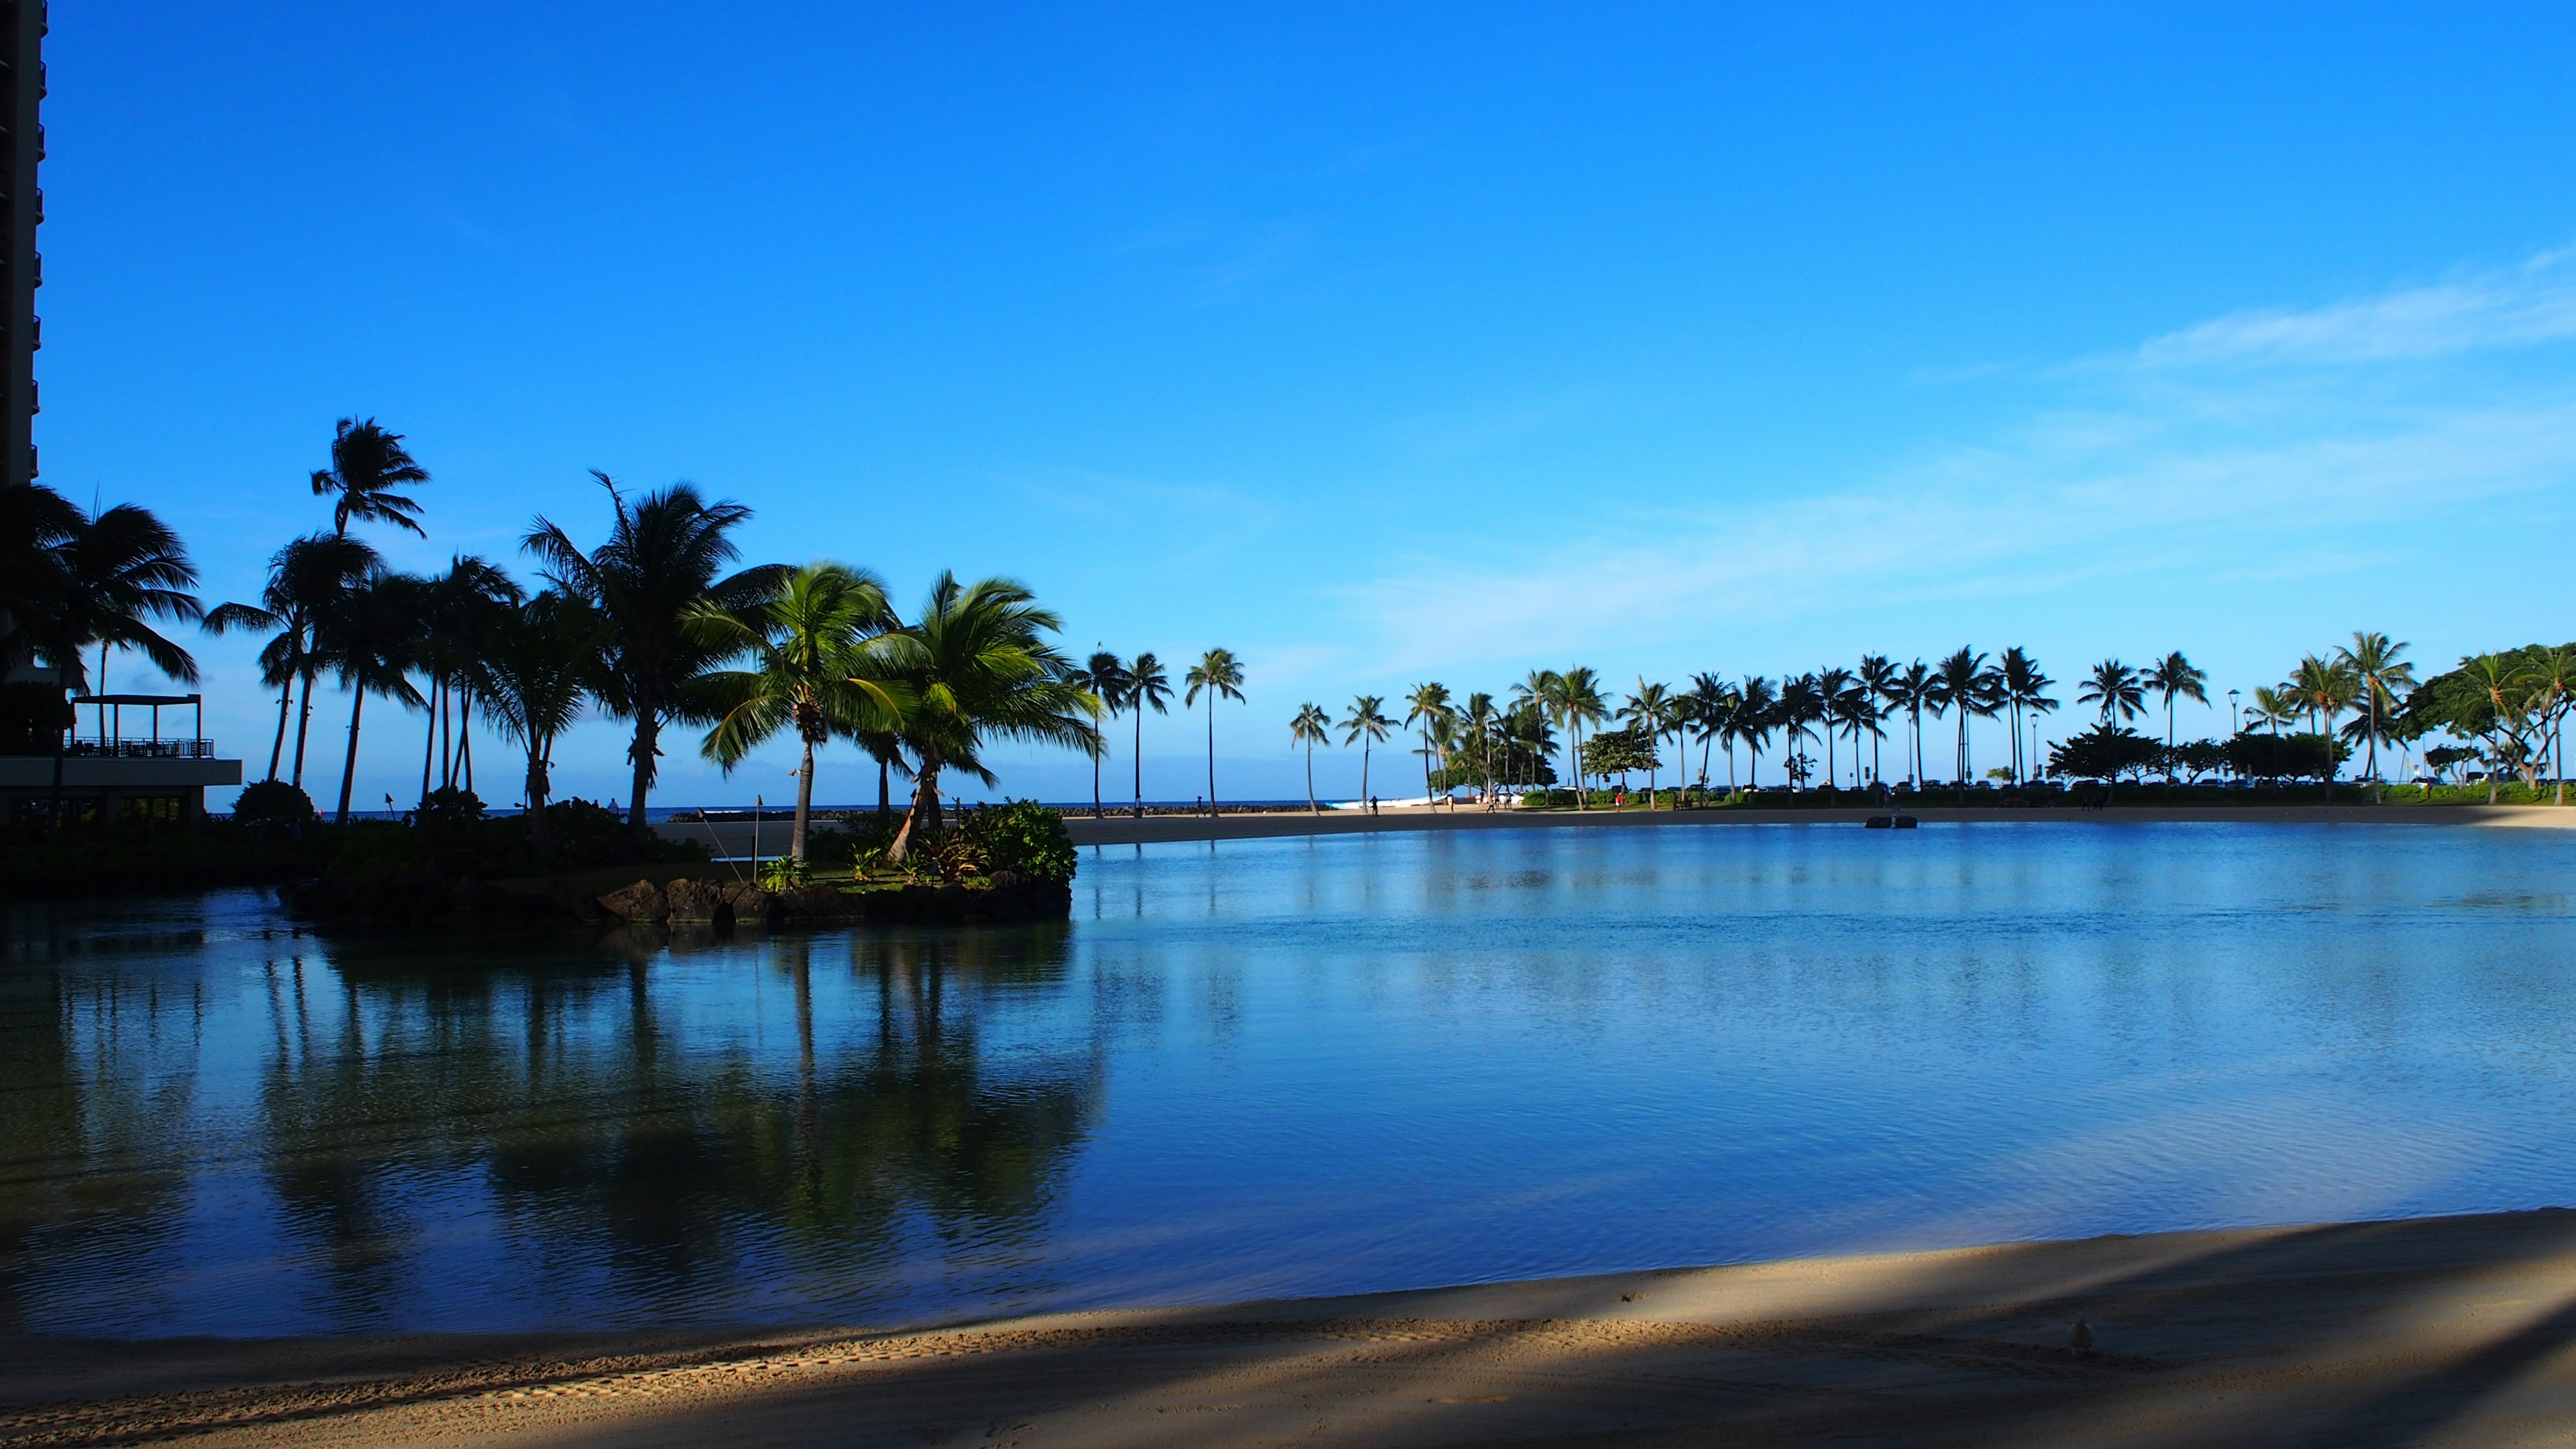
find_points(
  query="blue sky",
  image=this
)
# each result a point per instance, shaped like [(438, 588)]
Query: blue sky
[(1376, 347)]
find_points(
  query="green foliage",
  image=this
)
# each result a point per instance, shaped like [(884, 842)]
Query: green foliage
[(1617, 752), (273, 805), (785, 873), (1026, 837), (2256, 755), (2104, 752)]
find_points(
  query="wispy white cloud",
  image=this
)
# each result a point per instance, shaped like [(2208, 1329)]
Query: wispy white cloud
[(2519, 306), (2244, 446)]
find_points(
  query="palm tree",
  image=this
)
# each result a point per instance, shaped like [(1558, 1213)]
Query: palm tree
[(1366, 728), (2174, 677), (1831, 685), (536, 667), (2504, 687), (457, 611), (978, 669), (1855, 710), (2325, 689), (371, 639), (1427, 703), (1916, 689), (1877, 675), (1757, 713), (1975, 689), (1310, 728), (1105, 675), (305, 579), (2025, 689), (1649, 711), (812, 671), (367, 465), (1580, 702), (1800, 706), (1218, 673), (117, 570), (2273, 705), (2115, 690), (1147, 688), (2376, 662), (1480, 722), (35, 522), (649, 580), (1709, 712), (2551, 676)]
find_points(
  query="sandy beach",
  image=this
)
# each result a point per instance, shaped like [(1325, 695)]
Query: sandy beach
[(2452, 1331)]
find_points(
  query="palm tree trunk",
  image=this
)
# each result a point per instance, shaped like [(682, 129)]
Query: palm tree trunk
[(465, 735), (540, 842), (1310, 779), (1211, 754), (925, 806), (1095, 786), (349, 766), (885, 788), (1364, 764), (303, 725), (648, 735), (804, 805), (429, 746), (1140, 760), (285, 705)]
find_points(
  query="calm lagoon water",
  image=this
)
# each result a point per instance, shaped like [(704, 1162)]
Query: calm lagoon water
[(1285, 1067)]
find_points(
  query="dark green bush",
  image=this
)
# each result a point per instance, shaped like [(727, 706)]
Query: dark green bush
[(1026, 837), (272, 805)]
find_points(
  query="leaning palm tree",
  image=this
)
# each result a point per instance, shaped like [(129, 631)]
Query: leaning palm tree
[(812, 671), (2174, 677), (367, 465), (658, 566), (1310, 728), (1147, 688), (535, 673), (979, 668), (2378, 665), (1105, 675), (371, 640), (2550, 674), (305, 579), (1367, 728), (119, 570), (1221, 675), (1425, 705)]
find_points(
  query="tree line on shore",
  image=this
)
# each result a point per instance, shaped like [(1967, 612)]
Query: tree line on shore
[(656, 627)]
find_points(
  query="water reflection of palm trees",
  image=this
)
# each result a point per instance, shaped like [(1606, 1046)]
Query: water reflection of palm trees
[(647, 1138)]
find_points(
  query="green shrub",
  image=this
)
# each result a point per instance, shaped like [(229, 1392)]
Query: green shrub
[(1022, 836)]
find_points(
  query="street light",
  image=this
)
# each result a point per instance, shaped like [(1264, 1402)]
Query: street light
[(2233, 727)]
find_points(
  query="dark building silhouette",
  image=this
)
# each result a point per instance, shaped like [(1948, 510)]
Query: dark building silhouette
[(22, 72)]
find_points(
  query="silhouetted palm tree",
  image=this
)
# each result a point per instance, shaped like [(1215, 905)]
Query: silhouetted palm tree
[(458, 609), (1147, 688), (1918, 689), (371, 639), (1649, 712), (536, 668), (1975, 690), (1831, 685), (2115, 691), (1877, 675), (116, 571), (368, 465), (1310, 728), (1105, 675), (1581, 704), (812, 671), (658, 566), (1757, 714), (979, 668), (35, 521), (305, 579), (1367, 728), (2174, 677), (2026, 690), (1221, 676)]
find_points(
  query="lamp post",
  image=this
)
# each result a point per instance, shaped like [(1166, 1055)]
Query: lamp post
[(2233, 727)]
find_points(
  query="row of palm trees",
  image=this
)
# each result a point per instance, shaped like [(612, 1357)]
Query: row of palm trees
[(654, 626)]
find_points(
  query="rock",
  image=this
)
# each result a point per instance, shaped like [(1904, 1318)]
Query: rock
[(641, 901), (749, 904), (696, 900)]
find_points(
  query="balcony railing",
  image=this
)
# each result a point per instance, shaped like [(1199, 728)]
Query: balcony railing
[(141, 749)]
